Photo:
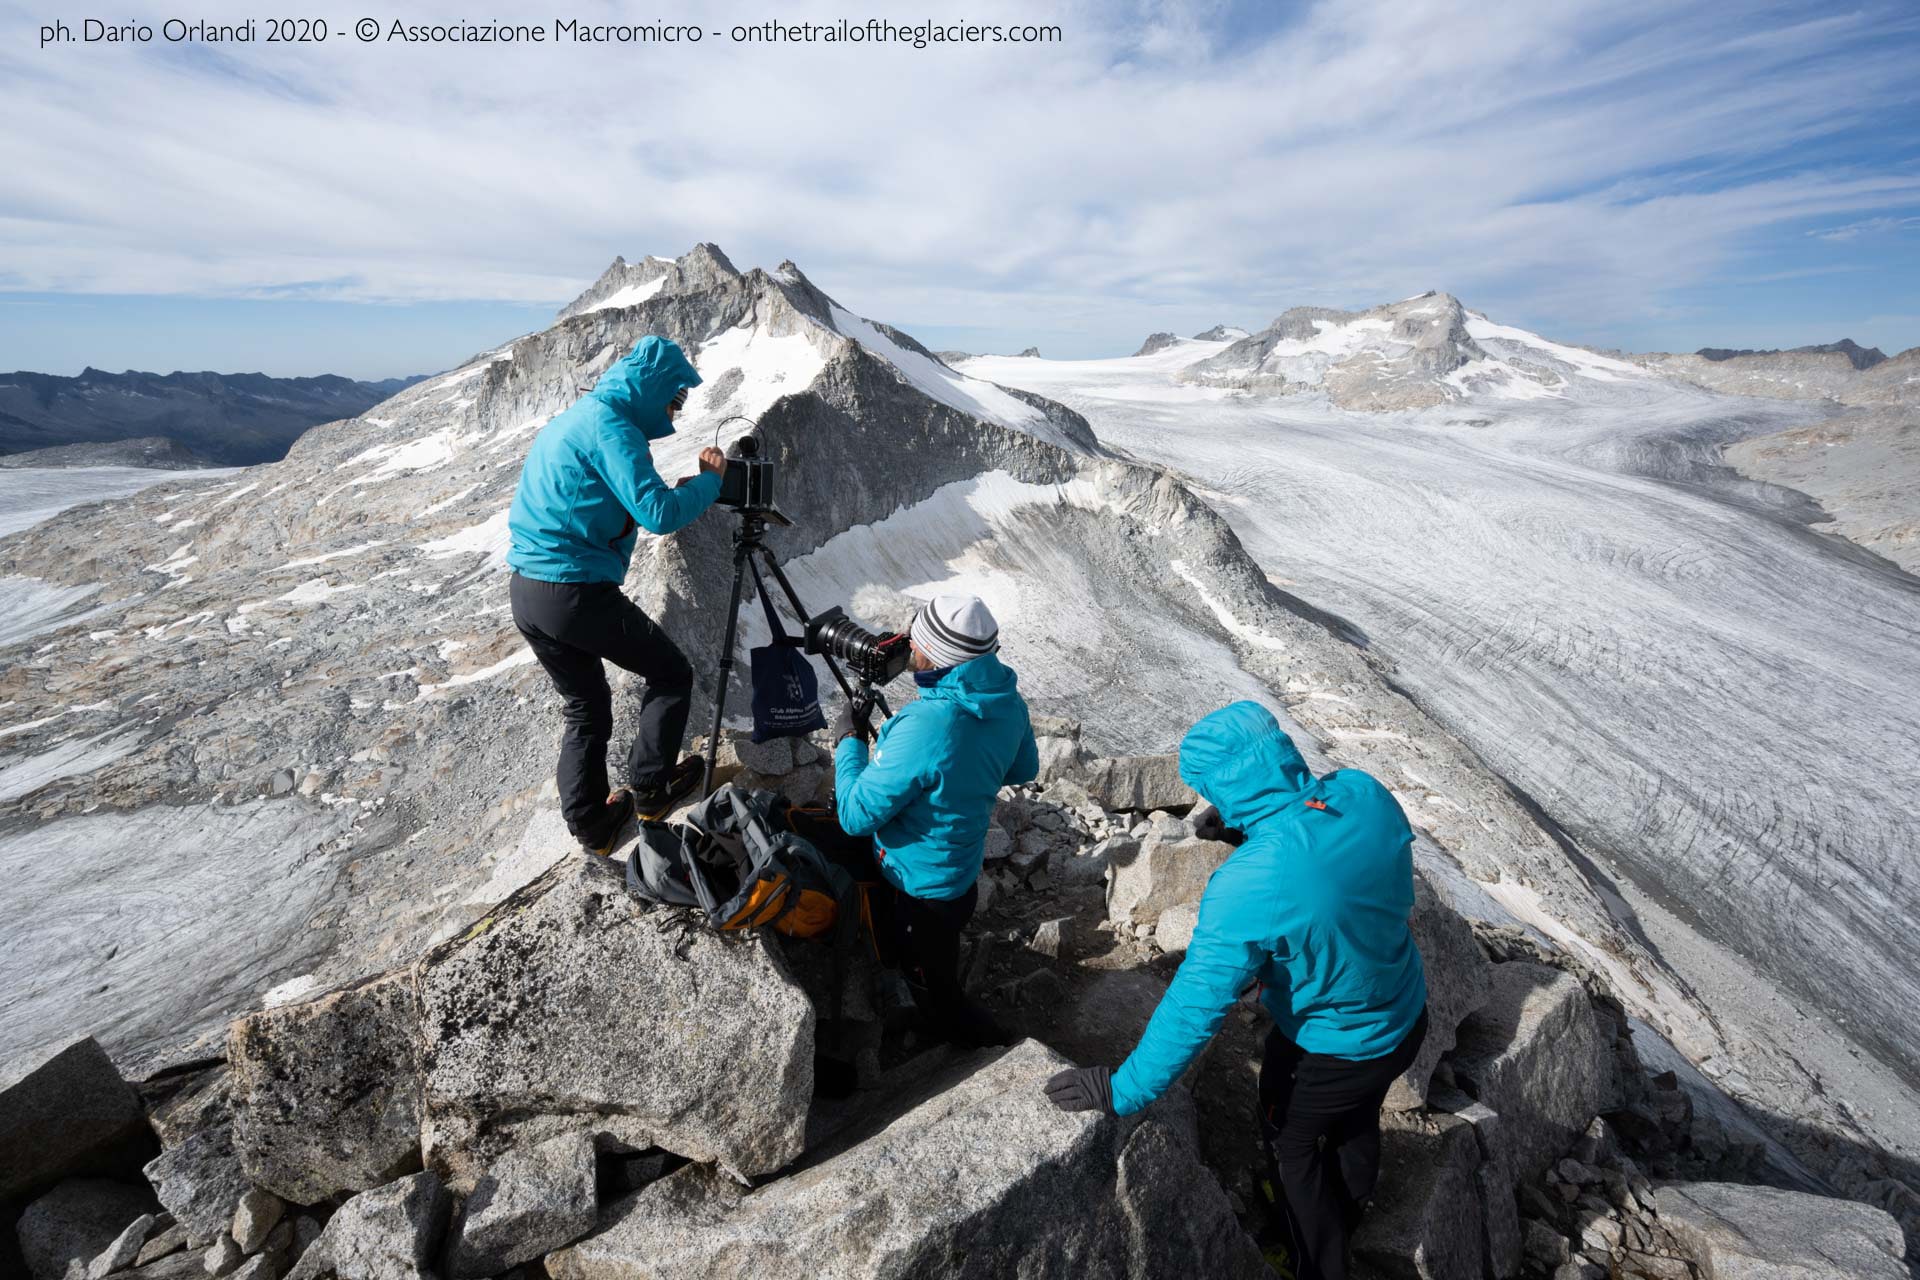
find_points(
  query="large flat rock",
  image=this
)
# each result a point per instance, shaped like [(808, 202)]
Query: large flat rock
[(1458, 982), (65, 1229), (63, 1111), (1161, 872), (1427, 1220), (971, 1173), (572, 1007), (1138, 784), (326, 1093), (1761, 1233), (1534, 1054)]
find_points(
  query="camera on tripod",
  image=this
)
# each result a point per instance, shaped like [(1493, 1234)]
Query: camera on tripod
[(748, 487), (748, 482), (875, 659)]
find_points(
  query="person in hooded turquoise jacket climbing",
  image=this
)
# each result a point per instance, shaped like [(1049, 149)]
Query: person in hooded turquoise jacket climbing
[(1313, 907), (586, 490), (926, 792)]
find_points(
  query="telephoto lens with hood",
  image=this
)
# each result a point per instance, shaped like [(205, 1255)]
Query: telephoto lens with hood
[(875, 659)]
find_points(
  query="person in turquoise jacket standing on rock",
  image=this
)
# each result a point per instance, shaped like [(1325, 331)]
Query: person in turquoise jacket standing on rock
[(1313, 907), (587, 488), (925, 792)]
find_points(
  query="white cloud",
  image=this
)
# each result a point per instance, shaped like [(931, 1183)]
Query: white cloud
[(1866, 226), (1588, 156)]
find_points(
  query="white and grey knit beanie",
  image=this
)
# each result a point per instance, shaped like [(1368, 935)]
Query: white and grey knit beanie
[(951, 630)]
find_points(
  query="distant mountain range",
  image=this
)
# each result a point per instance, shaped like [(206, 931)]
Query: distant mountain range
[(235, 419), (1860, 357), (160, 453)]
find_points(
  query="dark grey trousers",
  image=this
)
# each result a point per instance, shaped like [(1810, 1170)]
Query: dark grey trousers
[(572, 628)]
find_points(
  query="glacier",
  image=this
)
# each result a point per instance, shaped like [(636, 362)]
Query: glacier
[(1718, 708)]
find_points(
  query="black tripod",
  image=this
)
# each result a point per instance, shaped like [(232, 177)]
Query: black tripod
[(747, 543)]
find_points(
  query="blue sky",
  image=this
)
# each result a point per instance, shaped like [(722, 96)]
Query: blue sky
[(1628, 174)]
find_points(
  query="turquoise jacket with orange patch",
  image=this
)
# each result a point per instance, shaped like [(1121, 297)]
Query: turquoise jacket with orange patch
[(1314, 907)]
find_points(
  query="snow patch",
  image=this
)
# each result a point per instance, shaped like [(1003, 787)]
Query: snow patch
[(1586, 363), (973, 396), (31, 607), (770, 366), (312, 591), (1238, 629), (291, 991), (518, 658), (76, 758), (631, 296), (331, 555), (491, 538)]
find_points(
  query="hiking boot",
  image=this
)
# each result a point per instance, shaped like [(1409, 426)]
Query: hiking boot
[(621, 814), (974, 1028), (656, 802), (1274, 1230)]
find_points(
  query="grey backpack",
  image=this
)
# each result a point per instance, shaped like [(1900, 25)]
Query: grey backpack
[(734, 859)]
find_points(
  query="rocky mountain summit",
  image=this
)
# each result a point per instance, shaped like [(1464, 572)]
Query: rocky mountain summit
[(232, 419), (1425, 350), (622, 284), (527, 1099)]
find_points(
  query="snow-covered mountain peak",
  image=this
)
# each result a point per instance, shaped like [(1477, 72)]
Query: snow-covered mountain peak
[(1420, 351), (758, 335)]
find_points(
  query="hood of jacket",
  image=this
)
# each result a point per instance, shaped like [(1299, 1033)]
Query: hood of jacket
[(1242, 762), (981, 687), (641, 383)]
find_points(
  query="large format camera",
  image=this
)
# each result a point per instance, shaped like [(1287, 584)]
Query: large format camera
[(874, 659), (748, 482)]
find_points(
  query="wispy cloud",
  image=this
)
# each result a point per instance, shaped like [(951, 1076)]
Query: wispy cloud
[(1866, 226), (1591, 156)]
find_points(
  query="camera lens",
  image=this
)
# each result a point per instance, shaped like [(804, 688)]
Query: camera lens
[(874, 658)]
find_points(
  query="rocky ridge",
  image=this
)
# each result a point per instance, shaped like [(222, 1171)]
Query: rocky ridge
[(1861, 463), (1535, 1144), (146, 451)]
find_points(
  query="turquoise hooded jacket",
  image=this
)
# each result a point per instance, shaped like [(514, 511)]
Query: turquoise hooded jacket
[(589, 483), (1313, 906), (927, 793)]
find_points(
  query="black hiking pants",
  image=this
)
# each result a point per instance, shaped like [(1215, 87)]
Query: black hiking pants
[(921, 938), (1320, 1123), (572, 628)]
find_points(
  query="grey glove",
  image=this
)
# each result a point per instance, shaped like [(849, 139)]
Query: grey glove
[(847, 725), (1082, 1089)]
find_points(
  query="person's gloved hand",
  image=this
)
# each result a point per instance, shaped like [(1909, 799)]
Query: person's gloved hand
[(1082, 1089), (848, 725)]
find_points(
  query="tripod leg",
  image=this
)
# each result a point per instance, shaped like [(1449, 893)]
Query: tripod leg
[(741, 548), (800, 612)]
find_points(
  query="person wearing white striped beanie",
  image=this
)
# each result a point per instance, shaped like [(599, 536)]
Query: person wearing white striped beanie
[(950, 630), (925, 791)]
